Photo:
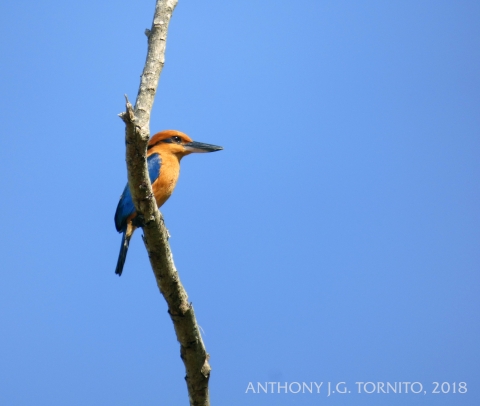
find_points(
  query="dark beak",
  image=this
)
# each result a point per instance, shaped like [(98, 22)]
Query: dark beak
[(201, 147)]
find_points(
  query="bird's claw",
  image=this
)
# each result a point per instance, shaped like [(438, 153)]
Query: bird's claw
[(138, 221)]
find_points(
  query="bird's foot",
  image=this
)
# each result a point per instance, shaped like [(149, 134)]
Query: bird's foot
[(138, 221)]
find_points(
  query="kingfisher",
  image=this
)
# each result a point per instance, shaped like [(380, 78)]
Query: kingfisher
[(164, 153)]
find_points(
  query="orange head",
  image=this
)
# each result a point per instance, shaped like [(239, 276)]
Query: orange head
[(179, 144)]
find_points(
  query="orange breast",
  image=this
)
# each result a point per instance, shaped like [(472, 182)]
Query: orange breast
[(169, 171)]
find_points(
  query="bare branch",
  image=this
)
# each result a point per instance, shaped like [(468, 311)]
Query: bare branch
[(137, 133)]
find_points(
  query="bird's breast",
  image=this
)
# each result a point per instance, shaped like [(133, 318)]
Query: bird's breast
[(165, 183)]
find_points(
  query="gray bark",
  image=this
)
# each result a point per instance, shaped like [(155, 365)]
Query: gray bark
[(137, 133)]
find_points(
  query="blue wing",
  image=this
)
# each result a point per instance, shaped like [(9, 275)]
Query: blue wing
[(125, 206)]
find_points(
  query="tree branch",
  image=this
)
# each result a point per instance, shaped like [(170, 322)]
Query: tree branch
[(137, 122)]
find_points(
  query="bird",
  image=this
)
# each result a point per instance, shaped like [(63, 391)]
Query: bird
[(164, 153)]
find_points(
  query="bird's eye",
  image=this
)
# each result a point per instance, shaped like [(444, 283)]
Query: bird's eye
[(177, 139)]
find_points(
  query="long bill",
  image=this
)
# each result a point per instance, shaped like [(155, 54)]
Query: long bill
[(195, 146)]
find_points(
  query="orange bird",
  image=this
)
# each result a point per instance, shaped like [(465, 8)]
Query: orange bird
[(164, 152)]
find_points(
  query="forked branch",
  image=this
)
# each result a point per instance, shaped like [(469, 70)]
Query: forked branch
[(137, 133)]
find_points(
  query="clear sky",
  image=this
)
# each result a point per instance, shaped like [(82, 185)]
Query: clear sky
[(335, 239)]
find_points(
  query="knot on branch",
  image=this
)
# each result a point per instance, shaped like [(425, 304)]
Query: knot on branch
[(149, 196), (205, 371), (151, 220)]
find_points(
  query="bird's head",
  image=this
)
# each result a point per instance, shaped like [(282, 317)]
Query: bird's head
[(179, 144)]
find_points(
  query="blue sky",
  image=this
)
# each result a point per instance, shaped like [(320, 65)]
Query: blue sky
[(335, 239)]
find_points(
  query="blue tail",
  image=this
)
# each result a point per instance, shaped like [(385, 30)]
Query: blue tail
[(123, 253)]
